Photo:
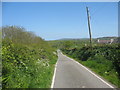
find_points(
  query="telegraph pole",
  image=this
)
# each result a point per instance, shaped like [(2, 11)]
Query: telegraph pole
[(88, 16)]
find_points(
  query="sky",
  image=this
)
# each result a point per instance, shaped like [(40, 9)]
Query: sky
[(56, 20)]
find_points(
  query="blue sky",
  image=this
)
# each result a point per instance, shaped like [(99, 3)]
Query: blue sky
[(56, 20)]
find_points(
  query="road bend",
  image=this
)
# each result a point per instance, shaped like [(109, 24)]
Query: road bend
[(70, 74)]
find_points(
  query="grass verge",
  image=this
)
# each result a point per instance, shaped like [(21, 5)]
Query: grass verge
[(102, 67)]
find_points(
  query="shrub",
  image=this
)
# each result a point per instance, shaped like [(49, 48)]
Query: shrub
[(28, 63)]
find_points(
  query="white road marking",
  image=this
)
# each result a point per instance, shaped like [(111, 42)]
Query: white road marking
[(89, 71), (53, 79)]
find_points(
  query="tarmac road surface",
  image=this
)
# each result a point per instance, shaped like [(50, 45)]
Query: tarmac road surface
[(71, 74)]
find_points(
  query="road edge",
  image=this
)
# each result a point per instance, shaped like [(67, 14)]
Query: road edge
[(90, 71), (53, 78)]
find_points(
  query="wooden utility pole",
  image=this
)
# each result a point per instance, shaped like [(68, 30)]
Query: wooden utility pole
[(88, 16)]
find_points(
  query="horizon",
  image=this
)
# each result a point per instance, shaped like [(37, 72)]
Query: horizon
[(57, 20), (83, 38)]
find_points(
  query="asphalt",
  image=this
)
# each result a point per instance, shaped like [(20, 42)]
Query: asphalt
[(70, 74)]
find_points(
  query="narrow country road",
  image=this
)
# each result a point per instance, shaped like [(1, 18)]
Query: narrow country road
[(70, 74)]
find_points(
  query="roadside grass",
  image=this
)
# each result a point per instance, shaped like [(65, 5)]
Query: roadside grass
[(44, 78), (104, 68)]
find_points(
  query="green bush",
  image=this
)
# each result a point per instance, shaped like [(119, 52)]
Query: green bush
[(26, 64), (103, 59)]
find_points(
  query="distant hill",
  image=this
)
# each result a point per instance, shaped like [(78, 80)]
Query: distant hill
[(102, 38), (74, 39)]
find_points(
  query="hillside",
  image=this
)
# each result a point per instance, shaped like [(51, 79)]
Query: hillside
[(27, 60)]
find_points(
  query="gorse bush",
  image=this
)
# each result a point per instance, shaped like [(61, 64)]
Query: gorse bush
[(28, 61)]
